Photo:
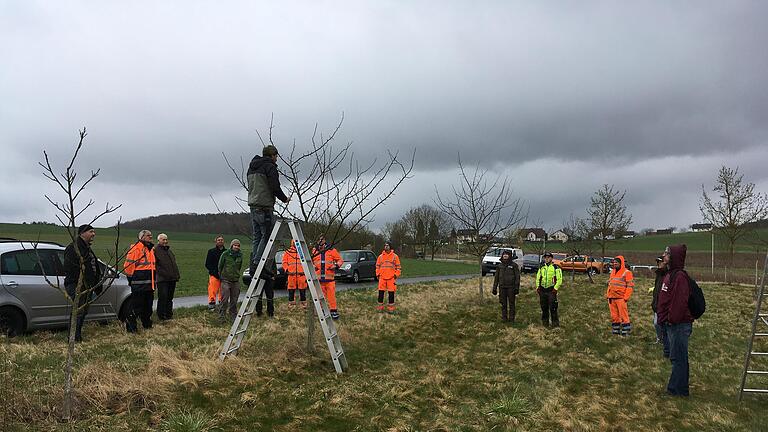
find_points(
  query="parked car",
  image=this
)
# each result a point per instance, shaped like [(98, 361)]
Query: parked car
[(28, 302), (493, 257), (582, 263), (558, 257), (358, 264), (281, 280), (531, 263)]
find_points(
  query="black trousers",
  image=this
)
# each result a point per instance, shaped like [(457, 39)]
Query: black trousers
[(165, 292), (507, 299), (141, 307), (548, 302), (81, 313), (269, 290)]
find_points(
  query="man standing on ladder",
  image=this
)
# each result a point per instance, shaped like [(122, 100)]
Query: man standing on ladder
[(387, 271), (263, 188), (326, 262)]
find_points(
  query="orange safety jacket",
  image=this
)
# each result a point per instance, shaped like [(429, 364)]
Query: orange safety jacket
[(388, 265), (292, 262), (326, 262), (621, 282), (139, 265)]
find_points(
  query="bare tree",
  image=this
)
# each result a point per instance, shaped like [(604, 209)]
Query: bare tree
[(68, 212), (328, 186), (607, 215), (428, 226), (737, 208), (488, 207), (329, 189), (579, 240)]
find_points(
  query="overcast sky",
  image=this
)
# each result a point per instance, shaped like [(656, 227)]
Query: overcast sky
[(560, 96)]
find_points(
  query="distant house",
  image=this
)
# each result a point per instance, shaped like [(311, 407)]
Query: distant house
[(629, 234), (661, 232), (466, 236), (559, 235), (701, 227), (534, 234)]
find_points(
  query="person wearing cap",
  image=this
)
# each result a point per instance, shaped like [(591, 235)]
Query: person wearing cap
[(661, 337), (167, 277), (506, 281), (230, 264), (263, 188), (549, 279), (140, 268), (78, 256), (621, 283), (387, 271)]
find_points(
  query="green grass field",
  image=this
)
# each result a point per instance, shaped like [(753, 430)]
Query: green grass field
[(444, 362), (190, 250)]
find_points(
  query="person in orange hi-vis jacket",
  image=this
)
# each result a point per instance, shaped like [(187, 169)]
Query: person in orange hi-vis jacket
[(139, 267), (296, 278), (327, 260), (387, 271), (620, 286)]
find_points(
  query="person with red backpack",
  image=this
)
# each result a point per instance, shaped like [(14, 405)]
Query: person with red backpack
[(674, 314)]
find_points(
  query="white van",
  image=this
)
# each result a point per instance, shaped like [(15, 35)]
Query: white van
[(493, 257)]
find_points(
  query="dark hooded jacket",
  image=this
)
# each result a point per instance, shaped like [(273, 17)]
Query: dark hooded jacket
[(264, 183), (675, 290), (507, 276), (660, 273)]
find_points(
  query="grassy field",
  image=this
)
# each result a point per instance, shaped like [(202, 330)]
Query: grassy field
[(443, 362), (190, 250)]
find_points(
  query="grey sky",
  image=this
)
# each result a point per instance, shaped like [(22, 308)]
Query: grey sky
[(561, 96)]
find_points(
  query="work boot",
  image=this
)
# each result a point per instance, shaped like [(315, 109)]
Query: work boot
[(304, 305), (211, 306), (380, 307), (335, 315)]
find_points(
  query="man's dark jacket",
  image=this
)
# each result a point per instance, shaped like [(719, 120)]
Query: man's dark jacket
[(264, 183), (92, 272), (212, 261), (165, 264), (507, 276)]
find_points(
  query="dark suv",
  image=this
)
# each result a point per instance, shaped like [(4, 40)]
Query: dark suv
[(358, 264)]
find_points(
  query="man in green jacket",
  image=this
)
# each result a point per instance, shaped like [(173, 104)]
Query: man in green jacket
[(230, 263), (548, 280)]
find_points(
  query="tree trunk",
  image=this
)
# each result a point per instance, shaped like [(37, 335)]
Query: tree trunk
[(66, 411), (481, 279), (731, 249)]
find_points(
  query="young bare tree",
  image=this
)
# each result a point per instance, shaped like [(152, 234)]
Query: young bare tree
[(69, 210), (607, 215), (580, 241), (427, 226), (486, 206), (738, 206), (328, 186)]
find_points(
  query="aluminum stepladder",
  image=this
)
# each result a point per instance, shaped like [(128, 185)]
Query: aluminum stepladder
[(240, 326), (761, 319)]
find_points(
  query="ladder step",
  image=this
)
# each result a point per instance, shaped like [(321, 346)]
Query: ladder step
[(240, 332), (755, 390), (233, 349), (333, 335), (757, 372), (761, 334), (759, 353), (245, 314), (763, 315)]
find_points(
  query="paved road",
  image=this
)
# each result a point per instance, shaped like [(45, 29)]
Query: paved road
[(202, 300)]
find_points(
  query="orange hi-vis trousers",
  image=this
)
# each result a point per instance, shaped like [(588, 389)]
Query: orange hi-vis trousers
[(214, 289), (329, 291), (620, 323)]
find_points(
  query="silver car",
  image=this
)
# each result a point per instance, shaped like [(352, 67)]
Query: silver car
[(28, 302)]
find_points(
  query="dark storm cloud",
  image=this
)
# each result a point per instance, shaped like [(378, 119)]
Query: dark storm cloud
[(165, 88)]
